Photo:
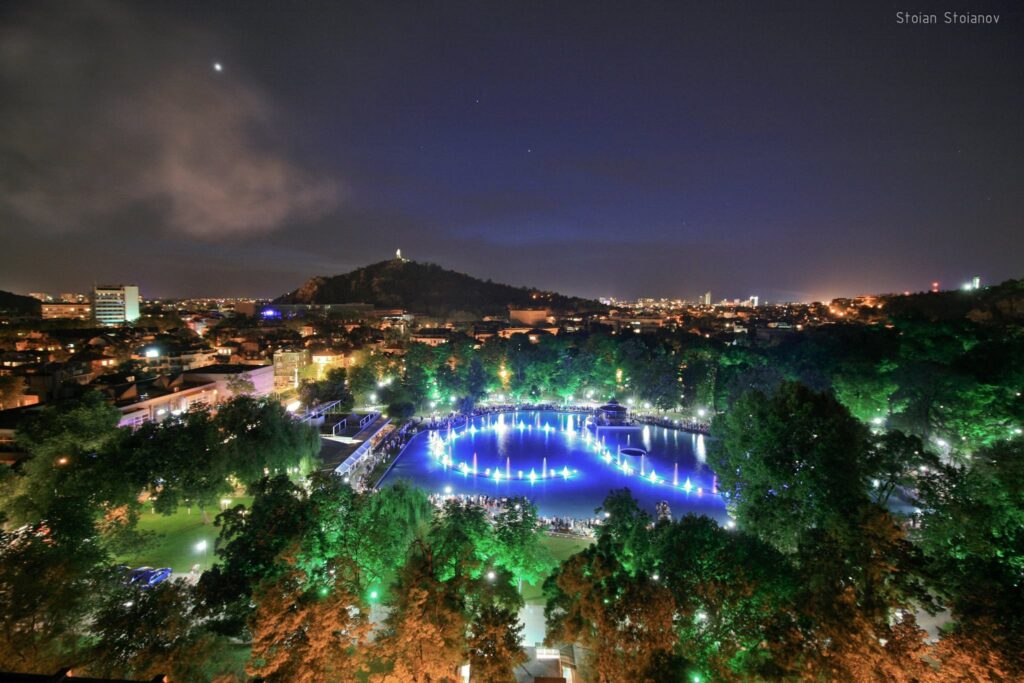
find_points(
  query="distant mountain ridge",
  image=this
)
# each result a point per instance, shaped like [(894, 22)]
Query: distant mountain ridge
[(427, 289)]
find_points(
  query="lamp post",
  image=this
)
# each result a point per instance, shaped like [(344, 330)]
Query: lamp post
[(201, 547)]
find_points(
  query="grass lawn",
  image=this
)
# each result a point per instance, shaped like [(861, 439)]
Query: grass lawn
[(177, 536), (561, 549)]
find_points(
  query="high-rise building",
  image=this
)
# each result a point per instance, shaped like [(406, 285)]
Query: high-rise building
[(754, 301), (115, 304), (706, 299), (976, 282)]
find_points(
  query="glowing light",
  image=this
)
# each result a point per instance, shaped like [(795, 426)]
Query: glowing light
[(218, 67), (448, 489), (533, 476), (687, 486), (653, 477), (293, 406), (565, 473)]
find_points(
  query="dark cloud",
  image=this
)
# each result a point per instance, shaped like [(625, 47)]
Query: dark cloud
[(106, 111)]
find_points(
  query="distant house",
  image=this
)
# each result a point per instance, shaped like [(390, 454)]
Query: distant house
[(431, 336)]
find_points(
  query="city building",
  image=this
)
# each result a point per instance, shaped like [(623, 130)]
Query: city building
[(67, 311), (431, 336), (170, 357), (287, 366), (116, 304), (706, 299)]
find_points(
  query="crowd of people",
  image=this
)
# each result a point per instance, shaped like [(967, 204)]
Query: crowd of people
[(565, 526), (690, 425)]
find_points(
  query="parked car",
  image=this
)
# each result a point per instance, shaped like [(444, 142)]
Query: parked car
[(138, 575), (157, 576)]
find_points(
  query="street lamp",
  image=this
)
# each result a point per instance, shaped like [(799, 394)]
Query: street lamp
[(201, 547)]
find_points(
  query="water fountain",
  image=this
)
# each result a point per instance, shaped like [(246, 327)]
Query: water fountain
[(474, 463), (675, 475), (508, 468), (544, 469)]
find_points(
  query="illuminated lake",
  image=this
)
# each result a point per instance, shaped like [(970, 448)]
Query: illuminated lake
[(565, 467)]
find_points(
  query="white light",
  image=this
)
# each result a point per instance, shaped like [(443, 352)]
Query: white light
[(448, 490), (490, 576), (201, 546), (293, 406), (877, 420), (152, 353), (218, 67)]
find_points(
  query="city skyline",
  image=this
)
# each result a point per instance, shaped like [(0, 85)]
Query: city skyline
[(201, 151)]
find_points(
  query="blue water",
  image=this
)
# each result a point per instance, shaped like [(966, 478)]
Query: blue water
[(516, 444)]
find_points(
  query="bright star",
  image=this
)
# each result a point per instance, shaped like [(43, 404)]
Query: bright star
[(218, 67)]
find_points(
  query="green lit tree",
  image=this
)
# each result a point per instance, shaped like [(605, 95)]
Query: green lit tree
[(260, 438), (971, 531), (789, 462), (518, 541)]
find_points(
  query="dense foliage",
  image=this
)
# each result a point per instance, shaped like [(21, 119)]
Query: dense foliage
[(872, 474)]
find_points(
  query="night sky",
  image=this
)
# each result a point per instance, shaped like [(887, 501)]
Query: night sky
[(794, 151)]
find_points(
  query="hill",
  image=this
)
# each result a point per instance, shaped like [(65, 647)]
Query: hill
[(427, 289), (16, 303), (997, 304)]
